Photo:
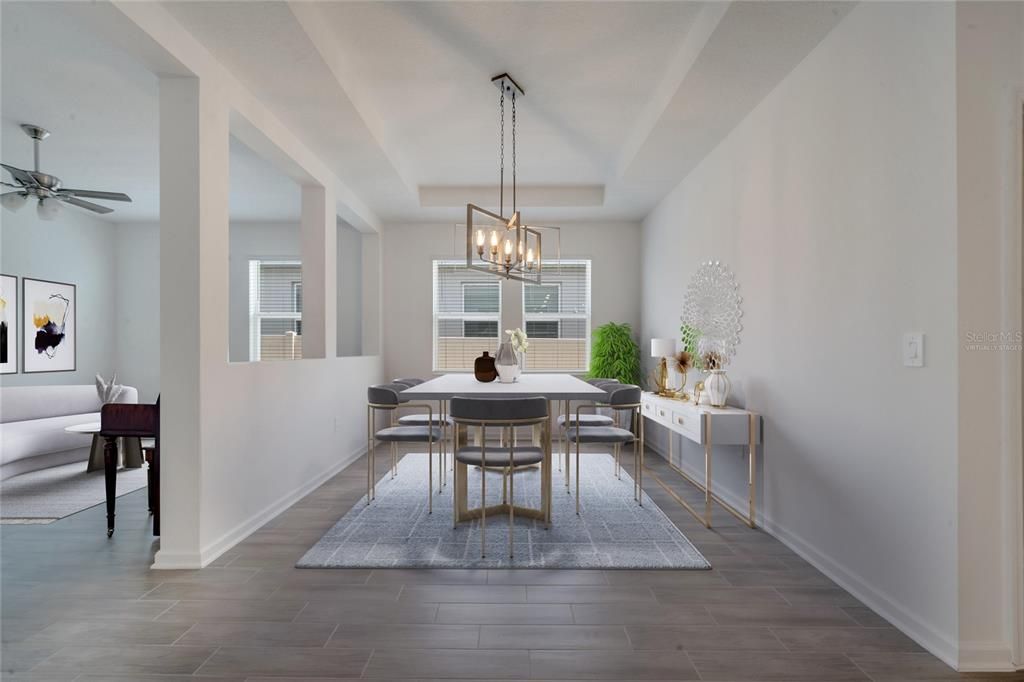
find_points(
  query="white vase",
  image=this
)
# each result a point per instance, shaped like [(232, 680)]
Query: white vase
[(508, 363), (717, 387)]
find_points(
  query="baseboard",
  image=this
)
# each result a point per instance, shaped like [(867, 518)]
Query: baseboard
[(940, 645), (986, 657), (215, 549)]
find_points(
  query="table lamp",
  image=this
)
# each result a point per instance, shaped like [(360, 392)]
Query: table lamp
[(662, 348)]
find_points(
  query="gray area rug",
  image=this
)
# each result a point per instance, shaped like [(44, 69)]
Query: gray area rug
[(395, 531), (50, 494)]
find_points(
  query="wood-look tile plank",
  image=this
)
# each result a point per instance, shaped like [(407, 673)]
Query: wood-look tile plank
[(702, 638), (760, 666), (780, 616), (448, 664), (505, 614), (847, 640), (680, 579), (575, 594), (362, 612), (129, 633), (640, 613), (865, 617), (281, 661), (746, 596), (545, 577), (610, 665), (895, 667), (427, 576), (258, 634), (478, 594), (553, 637), (405, 636), (231, 611), (318, 591), (141, 659)]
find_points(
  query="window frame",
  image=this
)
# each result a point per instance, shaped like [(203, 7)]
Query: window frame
[(559, 316), (256, 316), (437, 317)]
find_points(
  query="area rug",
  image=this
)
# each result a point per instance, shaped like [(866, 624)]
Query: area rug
[(47, 495), (395, 531)]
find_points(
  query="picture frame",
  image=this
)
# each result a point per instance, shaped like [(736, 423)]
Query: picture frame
[(9, 316), (49, 329)]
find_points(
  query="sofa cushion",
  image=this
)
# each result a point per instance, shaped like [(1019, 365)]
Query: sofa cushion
[(19, 440), (21, 403)]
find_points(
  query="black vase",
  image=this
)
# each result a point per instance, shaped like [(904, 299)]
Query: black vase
[(483, 368)]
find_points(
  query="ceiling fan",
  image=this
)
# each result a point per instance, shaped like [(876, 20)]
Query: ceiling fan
[(48, 188)]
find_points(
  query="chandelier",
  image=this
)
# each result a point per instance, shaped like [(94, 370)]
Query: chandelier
[(495, 243)]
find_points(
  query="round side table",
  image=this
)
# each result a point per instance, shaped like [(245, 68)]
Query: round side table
[(129, 449)]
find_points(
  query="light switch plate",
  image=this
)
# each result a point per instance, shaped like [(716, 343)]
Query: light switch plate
[(913, 349)]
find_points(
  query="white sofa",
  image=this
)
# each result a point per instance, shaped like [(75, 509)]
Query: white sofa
[(32, 422)]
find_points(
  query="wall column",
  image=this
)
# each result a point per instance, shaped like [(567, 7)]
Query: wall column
[(193, 298), (319, 229)]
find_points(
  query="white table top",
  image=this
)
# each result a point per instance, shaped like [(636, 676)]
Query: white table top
[(551, 386), (91, 427)]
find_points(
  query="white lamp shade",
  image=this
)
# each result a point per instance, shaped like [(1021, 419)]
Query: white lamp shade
[(48, 209), (12, 201), (663, 348)]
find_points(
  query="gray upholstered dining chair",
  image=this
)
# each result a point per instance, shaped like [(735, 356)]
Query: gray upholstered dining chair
[(438, 418), (623, 398), (568, 420), (505, 414), (386, 397)]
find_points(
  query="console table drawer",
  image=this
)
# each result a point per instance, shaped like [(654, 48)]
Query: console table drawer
[(689, 424)]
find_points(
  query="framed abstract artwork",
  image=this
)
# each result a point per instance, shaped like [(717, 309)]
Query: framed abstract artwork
[(49, 329), (8, 324)]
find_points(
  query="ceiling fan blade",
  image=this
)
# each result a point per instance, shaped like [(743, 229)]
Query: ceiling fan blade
[(88, 205), (22, 176), (108, 196)]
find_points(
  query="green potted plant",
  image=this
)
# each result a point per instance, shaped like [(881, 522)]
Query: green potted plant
[(614, 354)]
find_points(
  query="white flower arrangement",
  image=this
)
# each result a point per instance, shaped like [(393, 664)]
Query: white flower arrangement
[(518, 339)]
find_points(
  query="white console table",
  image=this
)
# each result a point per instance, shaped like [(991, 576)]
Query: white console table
[(707, 426)]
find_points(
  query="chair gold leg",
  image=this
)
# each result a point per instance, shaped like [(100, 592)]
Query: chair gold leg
[(369, 451), (511, 502), (430, 475), (483, 491), (577, 474)]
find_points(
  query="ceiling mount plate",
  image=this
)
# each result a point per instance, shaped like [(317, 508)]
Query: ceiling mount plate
[(508, 86), (35, 132)]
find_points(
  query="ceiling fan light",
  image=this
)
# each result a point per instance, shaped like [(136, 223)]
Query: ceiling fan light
[(48, 209), (13, 201)]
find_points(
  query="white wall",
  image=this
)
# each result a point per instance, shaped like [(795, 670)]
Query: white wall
[(990, 93), (137, 305), (408, 251), (77, 249), (834, 202)]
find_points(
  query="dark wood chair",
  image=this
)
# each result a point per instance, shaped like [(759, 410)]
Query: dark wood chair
[(119, 420)]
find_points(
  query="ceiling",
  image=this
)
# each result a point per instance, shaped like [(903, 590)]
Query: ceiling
[(101, 109), (622, 99)]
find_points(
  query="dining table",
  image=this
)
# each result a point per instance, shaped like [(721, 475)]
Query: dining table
[(558, 388)]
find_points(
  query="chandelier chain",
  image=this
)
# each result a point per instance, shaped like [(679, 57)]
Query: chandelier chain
[(513, 152), (501, 154)]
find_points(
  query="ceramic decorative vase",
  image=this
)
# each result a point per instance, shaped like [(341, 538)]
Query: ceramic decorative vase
[(717, 386), (508, 363), (483, 368)]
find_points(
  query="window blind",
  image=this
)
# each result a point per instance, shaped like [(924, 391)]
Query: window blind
[(557, 318), (275, 310), (467, 315)]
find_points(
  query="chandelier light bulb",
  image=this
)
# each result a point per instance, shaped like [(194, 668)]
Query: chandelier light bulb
[(529, 257), (479, 238)]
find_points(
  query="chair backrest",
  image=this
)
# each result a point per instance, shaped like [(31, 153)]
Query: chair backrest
[(385, 394), (411, 381), (624, 395), (499, 411), (598, 382)]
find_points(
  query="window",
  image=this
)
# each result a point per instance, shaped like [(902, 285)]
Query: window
[(467, 315), (275, 310), (557, 318)]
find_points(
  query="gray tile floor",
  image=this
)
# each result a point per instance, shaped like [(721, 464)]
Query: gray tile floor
[(76, 606)]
